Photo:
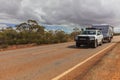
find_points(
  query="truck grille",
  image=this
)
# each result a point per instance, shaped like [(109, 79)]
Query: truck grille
[(83, 38)]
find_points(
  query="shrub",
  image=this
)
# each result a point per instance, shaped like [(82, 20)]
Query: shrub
[(28, 34), (3, 46)]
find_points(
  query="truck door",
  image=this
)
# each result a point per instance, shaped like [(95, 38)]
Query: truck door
[(100, 36)]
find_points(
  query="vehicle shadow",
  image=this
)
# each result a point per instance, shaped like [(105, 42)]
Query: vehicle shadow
[(81, 47), (88, 47)]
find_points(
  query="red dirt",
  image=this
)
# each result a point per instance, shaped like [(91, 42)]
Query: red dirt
[(108, 68)]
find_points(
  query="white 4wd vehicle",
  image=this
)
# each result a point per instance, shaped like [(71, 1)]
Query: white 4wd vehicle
[(91, 38)]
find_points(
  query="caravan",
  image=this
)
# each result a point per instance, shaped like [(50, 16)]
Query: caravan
[(107, 31)]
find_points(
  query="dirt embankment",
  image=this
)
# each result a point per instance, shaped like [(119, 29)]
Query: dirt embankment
[(108, 68), (13, 47)]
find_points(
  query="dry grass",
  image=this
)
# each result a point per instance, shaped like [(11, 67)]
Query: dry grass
[(108, 68)]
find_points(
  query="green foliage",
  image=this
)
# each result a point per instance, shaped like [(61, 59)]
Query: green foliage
[(116, 34), (30, 32), (73, 34), (61, 36)]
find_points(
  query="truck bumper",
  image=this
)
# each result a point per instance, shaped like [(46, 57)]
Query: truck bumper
[(85, 42)]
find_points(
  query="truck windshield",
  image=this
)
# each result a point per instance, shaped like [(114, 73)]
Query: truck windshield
[(89, 32)]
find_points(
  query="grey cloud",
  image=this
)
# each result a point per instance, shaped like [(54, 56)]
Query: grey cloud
[(10, 7), (80, 12)]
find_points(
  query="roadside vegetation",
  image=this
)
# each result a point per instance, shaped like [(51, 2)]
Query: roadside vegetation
[(116, 34), (31, 32)]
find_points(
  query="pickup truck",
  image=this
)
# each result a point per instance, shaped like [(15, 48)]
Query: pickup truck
[(91, 38)]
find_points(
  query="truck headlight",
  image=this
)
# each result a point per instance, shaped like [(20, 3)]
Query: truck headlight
[(76, 38), (92, 38)]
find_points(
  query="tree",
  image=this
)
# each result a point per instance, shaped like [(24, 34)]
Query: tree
[(22, 27), (31, 32), (32, 22), (30, 26), (61, 36), (9, 35), (76, 31)]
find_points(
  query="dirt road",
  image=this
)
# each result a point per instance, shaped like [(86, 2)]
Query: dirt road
[(43, 62)]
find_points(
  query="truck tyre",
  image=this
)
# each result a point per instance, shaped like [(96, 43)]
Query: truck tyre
[(109, 40), (101, 42), (95, 44), (77, 44)]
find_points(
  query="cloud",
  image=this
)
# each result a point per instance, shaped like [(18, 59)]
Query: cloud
[(80, 12), (3, 26)]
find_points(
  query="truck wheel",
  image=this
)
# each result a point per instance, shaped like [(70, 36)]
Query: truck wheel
[(95, 44), (101, 42), (77, 44), (109, 40)]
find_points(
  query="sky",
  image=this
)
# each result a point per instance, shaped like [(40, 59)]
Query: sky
[(61, 12)]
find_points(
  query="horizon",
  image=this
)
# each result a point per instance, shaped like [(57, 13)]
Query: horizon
[(64, 28)]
